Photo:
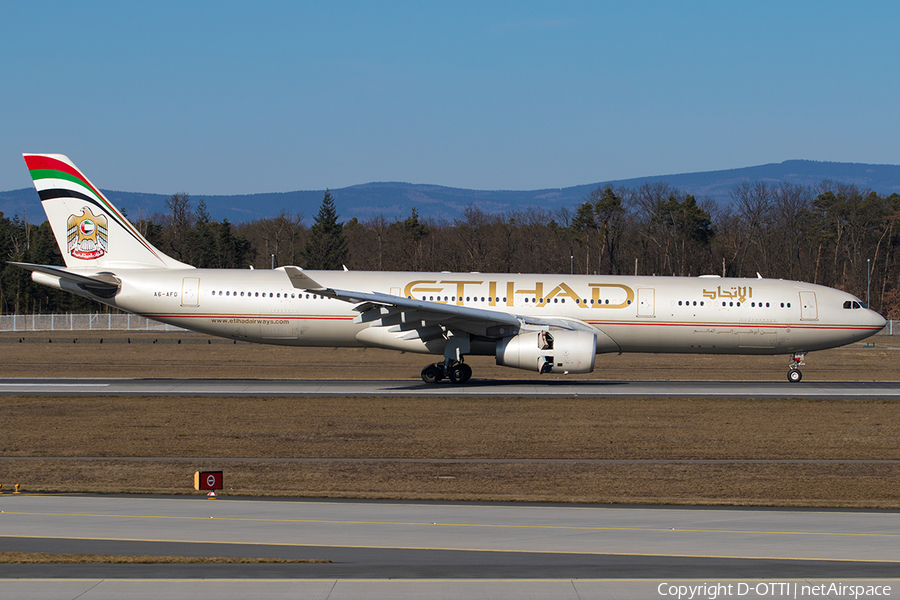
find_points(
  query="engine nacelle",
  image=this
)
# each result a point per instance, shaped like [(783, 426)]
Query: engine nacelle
[(561, 351)]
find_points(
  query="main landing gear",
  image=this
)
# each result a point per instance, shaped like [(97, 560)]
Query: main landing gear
[(794, 374), (457, 372)]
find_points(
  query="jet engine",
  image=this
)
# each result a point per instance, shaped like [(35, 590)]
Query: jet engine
[(559, 351)]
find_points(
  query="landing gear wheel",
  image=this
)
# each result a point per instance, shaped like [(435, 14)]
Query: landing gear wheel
[(794, 375), (432, 374), (460, 373)]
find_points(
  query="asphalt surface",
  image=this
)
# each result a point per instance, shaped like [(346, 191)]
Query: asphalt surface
[(382, 549), (474, 388), (389, 539)]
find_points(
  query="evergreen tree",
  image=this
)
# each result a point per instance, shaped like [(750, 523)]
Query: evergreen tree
[(202, 239), (326, 247)]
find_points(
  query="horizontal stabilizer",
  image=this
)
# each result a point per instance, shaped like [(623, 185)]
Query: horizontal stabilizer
[(102, 284)]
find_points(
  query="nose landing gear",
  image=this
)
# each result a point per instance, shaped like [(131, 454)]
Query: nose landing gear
[(456, 372), (794, 374)]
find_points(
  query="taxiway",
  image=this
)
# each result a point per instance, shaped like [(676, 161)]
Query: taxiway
[(592, 549)]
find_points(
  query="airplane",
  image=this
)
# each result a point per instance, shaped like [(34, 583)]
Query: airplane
[(547, 323)]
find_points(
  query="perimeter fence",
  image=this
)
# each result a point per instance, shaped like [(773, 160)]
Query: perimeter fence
[(82, 322), (114, 322)]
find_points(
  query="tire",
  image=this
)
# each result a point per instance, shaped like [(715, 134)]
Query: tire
[(794, 375), (431, 374), (466, 372), (460, 373)]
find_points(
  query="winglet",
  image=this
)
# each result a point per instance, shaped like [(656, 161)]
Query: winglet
[(301, 280)]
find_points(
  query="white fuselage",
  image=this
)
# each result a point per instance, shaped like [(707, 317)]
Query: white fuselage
[(630, 314)]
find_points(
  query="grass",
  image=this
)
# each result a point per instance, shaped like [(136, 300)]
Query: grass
[(522, 449)]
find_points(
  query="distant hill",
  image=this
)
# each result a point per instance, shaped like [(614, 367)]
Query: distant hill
[(396, 200)]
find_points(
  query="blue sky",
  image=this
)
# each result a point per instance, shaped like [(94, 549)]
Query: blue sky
[(226, 97)]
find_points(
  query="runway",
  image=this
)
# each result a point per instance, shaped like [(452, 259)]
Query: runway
[(475, 388), (573, 551)]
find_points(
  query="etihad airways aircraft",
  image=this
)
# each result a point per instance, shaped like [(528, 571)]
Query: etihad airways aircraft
[(544, 323)]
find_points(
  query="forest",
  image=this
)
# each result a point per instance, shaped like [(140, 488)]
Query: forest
[(834, 234)]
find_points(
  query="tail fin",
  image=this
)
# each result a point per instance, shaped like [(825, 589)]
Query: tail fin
[(90, 231)]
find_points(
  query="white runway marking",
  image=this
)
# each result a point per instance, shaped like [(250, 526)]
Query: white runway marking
[(53, 385)]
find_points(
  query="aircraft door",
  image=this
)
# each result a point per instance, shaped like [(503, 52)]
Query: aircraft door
[(646, 298), (190, 291), (808, 310)]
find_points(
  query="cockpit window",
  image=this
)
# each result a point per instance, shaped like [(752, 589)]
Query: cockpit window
[(853, 304)]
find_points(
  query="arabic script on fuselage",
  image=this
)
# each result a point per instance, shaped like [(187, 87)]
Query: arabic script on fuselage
[(736, 292)]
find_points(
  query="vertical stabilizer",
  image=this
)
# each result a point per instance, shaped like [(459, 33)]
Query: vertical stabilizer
[(91, 233)]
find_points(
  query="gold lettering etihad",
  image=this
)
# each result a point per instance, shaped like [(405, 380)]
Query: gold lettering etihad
[(456, 291), (736, 292)]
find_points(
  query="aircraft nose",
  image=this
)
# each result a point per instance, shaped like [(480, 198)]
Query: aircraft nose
[(877, 320)]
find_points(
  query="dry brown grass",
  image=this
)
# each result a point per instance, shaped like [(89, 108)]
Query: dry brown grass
[(451, 448), (449, 439)]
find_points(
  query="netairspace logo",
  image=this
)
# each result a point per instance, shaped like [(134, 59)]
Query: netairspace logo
[(772, 589)]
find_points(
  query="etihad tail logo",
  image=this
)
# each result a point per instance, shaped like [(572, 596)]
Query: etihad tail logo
[(87, 235)]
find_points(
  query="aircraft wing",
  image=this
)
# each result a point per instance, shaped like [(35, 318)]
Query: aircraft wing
[(428, 320), (102, 284)]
